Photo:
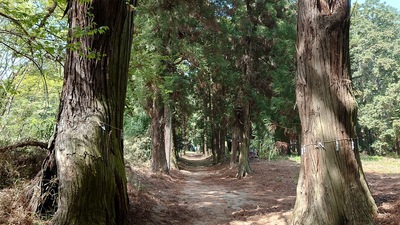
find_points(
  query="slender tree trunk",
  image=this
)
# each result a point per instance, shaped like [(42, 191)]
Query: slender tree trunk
[(222, 149), (214, 127), (167, 136), (370, 140), (235, 143), (158, 159), (244, 166), (83, 178), (168, 139), (216, 143), (205, 135), (332, 188), (213, 144), (175, 136)]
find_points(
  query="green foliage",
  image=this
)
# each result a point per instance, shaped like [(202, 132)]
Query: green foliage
[(137, 149), (32, 30), (375, 56), (136, 124), (32, 110), (295, 158), (194, 53), (32, 40)]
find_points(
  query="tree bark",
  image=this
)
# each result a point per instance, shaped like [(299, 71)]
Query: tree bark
[(244, 166), (158, 159), (235, 143), (168, 139), (214, 143), (332, 188), (84, 175), (222, 147)]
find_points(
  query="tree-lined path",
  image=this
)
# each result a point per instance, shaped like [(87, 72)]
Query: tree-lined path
[(104, 85)]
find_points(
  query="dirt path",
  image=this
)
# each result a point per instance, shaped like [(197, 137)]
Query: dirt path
[(220, 198), (214, 202), (202, 194)]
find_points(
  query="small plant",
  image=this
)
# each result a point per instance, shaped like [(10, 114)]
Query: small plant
[(273, 154), (137, 150)]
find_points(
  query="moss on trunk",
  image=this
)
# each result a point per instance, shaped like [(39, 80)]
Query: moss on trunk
[(86, 159)]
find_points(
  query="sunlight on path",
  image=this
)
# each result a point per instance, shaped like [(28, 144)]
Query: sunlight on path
[(217, 201)]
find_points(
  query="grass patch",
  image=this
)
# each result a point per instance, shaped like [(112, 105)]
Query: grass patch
[(371, 157), (380, 164), (371, 164), (294, 158)]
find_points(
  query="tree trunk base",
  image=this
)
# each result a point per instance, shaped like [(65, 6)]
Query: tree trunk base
[(45, 193), (243, 171)]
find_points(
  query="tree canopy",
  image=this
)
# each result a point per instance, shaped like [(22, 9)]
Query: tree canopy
[(375, 54), (196, 56)]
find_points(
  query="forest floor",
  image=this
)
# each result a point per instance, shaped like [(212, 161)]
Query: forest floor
[(202, 194)]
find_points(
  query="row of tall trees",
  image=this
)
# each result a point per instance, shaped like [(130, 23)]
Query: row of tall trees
[(208, 75), (208, 70)]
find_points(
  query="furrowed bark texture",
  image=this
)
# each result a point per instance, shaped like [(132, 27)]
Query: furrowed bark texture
[(332, 188), (245, 133), (235, 143), (88, 144), (156, 111)]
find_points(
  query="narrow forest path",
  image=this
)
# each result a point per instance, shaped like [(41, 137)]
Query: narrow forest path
[(212, 202), (203, 194)]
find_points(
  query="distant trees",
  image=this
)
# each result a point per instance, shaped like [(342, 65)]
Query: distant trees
[(375, 57), (332, 188), (217, 59), (260, 30), (159, 73)]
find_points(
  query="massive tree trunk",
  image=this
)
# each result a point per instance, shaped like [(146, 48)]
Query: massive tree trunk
[(83, 178), (332, 188)]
